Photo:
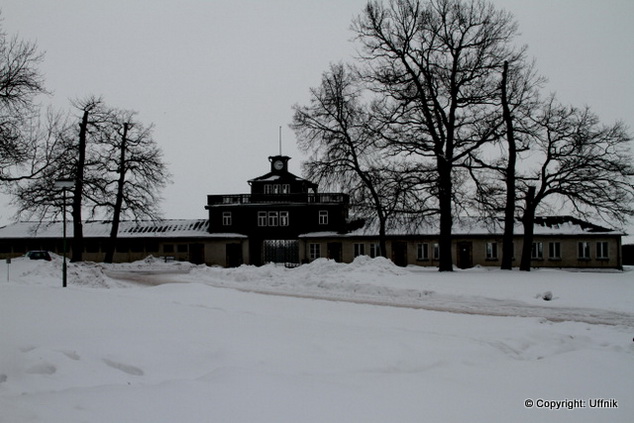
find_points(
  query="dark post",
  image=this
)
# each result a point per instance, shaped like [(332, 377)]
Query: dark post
[(64, 185), (64, 272), (528, 222)]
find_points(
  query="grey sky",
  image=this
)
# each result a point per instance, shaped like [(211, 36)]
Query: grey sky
[(218, 78)]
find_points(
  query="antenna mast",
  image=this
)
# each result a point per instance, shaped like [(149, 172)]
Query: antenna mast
[(280, 140)]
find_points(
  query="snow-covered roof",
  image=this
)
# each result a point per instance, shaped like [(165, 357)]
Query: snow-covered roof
[(168, 228), (199, 228), (470, 226), (280, 176)]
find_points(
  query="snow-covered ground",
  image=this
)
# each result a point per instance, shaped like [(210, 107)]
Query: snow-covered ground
[(362, 342)]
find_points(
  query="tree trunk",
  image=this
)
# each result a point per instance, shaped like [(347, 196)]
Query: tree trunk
[(528, 221), (78, 231), (382, 236), (445, 263), (116, 215), (509, 209)]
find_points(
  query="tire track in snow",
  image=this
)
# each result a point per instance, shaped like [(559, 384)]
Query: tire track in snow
[(500, 309), (481, 306)]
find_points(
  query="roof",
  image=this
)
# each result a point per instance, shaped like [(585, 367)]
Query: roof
[(469, 226), (199, 228), (281, 176), (167, 228)]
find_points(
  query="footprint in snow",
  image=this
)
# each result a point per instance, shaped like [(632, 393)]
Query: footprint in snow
[(71, 354), (126, 368), (42, 369)]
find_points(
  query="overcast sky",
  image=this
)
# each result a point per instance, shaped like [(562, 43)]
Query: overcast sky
[(219, 77)]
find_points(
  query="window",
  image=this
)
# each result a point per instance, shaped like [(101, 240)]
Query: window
[(422, 252), (359, 250), (375, 250), (537, 251), (436, 251), (226, 218), (314, 251), (323, 217), (583, 250), (261, 218), (277, 189), (554, 250), (273, 218), (284, 218), (492, 251), (602, 250), (168, 248)]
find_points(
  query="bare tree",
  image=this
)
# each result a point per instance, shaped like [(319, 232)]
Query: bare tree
[(493, 169), (133, 174), (336, 129), (437, 64), (52, 158), (20, 83), (116, 167), (582, 164), (509, 207), (93, 121), (65, 152)]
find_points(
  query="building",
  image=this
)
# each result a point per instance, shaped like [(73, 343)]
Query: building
[(558, 241), (280, 208), (285, 219), (186, 240)]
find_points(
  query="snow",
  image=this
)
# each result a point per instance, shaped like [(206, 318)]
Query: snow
[(199, 228), (329, 342), (173, 228), (477, 226)]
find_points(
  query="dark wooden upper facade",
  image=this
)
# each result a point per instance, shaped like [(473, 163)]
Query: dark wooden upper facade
[(281, 205)]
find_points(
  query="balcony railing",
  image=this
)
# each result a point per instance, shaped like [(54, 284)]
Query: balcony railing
[(332, 198)]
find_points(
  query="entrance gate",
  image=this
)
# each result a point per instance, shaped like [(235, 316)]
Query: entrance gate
[(281, 251)]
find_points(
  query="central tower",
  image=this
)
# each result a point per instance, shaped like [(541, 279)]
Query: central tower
[(280, 207)]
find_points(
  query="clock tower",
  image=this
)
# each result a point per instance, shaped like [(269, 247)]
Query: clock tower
[(279, 163), (280, 181), (270, 219)]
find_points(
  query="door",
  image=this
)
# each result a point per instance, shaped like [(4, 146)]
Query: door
[(234, 255), (399, 253), (465, 255), (334, 251), (197, 253)]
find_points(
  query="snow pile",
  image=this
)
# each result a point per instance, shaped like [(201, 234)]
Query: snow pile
[(476, 291), (43, 273), (192, 350), (360, 281)]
